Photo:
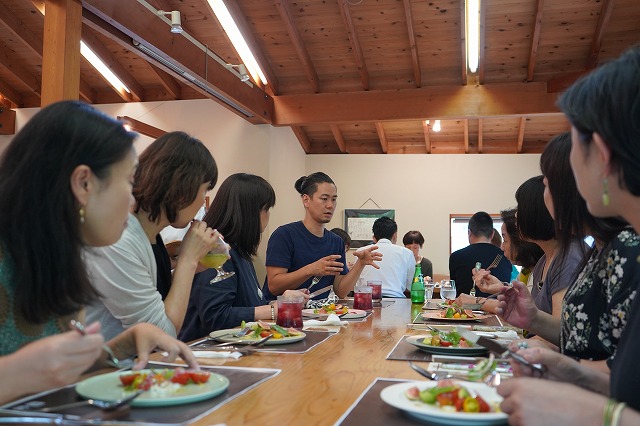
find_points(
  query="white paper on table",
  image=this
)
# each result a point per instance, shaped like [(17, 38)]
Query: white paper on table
[(511, 334), (214, 354), (332, 320)]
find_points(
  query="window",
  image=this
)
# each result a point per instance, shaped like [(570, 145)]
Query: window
[(459, 226)]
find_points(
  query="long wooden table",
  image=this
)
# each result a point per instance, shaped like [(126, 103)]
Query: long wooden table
[(317, 387)]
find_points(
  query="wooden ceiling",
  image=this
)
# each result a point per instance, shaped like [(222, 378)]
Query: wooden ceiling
[(348, 76)]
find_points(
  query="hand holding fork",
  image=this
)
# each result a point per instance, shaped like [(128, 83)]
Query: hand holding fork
[(493, 264)]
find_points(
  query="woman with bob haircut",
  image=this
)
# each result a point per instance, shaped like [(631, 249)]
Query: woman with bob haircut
[(240, 211), (79, 164), (604, 111), (413, 240), (518, 251), (133, 276)]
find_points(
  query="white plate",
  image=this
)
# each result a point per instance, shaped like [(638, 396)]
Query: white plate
[(227, 336), (394, 396), (445, 350), (437, 316), (108, 387), (353, 313)]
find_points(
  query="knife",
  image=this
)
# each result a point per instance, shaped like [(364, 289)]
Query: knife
[(322, 290), (498, 349)]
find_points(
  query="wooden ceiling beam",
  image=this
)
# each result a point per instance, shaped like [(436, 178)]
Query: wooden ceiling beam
[(444, 102), (480, 136), (92, 41), (10, 94), (305, 143), (523, 121), (427, 137), (535, 40), (415, 59), (8, 61), (384, 144), (256, 48), (596, 42), (168, 82), (337, 134), (124, 21), (465, 127), (294, 35), (356, 47), (142, 128)]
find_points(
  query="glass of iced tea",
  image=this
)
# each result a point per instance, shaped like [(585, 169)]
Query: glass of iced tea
[(376, 290), (217, 257), (290, 311), (362, 298)]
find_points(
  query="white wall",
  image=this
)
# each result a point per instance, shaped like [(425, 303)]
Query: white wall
[(423, 189)]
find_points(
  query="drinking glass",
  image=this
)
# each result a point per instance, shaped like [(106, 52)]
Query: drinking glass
[(362, 298), (217, 257), (290, 311), (376, 290), (429, 285), (448, 290)]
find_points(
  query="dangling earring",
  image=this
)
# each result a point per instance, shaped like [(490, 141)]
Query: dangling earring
[(81, 214), (605, 192)]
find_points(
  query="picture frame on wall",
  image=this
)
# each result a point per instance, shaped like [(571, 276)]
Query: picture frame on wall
[(359, 223)]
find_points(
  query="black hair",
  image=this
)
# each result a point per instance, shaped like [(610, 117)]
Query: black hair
[(384, 227), (533, 219), (481, 224), (413, 237), (235, 211), (169, 174), (308, 185), (607, 102), (523, 253), (39, 214), (344, 235)]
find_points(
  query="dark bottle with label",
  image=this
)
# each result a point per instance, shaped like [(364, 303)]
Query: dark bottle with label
[(417, 286)]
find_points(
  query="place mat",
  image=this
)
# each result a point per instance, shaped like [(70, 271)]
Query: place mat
[(404, 351), (493, 320), (313, 338), (241, 379), (370, 410)]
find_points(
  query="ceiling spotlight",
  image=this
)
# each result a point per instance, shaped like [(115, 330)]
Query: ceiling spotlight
[(242, 70), (436, 126), (176, 23)]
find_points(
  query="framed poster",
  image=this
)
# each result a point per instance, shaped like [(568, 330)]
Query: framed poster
[(359, 222)]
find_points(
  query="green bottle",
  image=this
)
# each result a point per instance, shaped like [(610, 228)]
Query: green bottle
[(417, 286)]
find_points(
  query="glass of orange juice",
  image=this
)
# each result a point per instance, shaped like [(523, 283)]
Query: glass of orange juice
[(217, 257)]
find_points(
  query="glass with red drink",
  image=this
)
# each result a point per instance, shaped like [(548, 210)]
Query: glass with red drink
[(376, 290), (290, 311), (362, 298)]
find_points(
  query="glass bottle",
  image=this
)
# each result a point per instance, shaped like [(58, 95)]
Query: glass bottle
[(417, 287)]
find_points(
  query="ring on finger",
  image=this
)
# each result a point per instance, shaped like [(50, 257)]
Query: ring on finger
[(523, 345)]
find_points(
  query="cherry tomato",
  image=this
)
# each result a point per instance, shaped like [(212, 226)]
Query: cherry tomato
[(446, 398), (265, 333), (199, 376), (181, 378), (484, 407), (128, 379), (444, 343)]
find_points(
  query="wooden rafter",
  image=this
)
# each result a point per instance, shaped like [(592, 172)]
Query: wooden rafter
[(563, 81), (465, 127), (535, 40), (523, 121), (382, 136), (294, 35), (92, 41), (596, 42), (480, 136), (337, 135), (256, 48), (305, 143), (168, 82), (142, 128), (427, 137), (444, 102), (361, 64), (415, 60), (9, 93), (8, 61)]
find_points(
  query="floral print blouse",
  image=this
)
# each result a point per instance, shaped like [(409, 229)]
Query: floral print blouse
[(596, 307)]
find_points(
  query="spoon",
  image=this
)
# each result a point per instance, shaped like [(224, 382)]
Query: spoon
[(103, 405)]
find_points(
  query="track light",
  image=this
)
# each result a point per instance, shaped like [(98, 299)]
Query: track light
[(176, 23), (242, 70)]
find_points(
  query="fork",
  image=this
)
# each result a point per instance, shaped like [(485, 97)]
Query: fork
[(315, 281), (495, 262), (492, 265), (103, 405), (80, 328), (428, 374)]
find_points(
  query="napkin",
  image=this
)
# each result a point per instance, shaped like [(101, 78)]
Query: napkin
[(217, 354), (511, 334), (332, 320)]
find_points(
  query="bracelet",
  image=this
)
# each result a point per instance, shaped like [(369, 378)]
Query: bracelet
[(617, 413), (607, 414), (273, 313)]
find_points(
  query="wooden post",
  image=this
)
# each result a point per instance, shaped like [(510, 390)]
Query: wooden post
[(61, 51)]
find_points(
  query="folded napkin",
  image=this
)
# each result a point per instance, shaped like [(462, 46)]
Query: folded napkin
[(511, 334), (332, 320), (217, 354)]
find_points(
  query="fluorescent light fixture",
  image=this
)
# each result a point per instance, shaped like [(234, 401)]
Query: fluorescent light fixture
[(473, 34), (241, 46), (436, 126), (102, 68)]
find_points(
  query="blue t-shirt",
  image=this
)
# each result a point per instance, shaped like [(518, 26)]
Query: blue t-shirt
[(223, 304), (292, 246)]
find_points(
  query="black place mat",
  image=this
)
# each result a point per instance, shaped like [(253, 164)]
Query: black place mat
[(370, 410), (241, 380), (404, 351), (313, 338)]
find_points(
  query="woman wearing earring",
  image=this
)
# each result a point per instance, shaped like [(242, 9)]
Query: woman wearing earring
[(134, 276), (78, 164), (240, 211)]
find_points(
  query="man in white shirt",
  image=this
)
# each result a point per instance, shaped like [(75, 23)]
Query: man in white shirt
[(397, 266)]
